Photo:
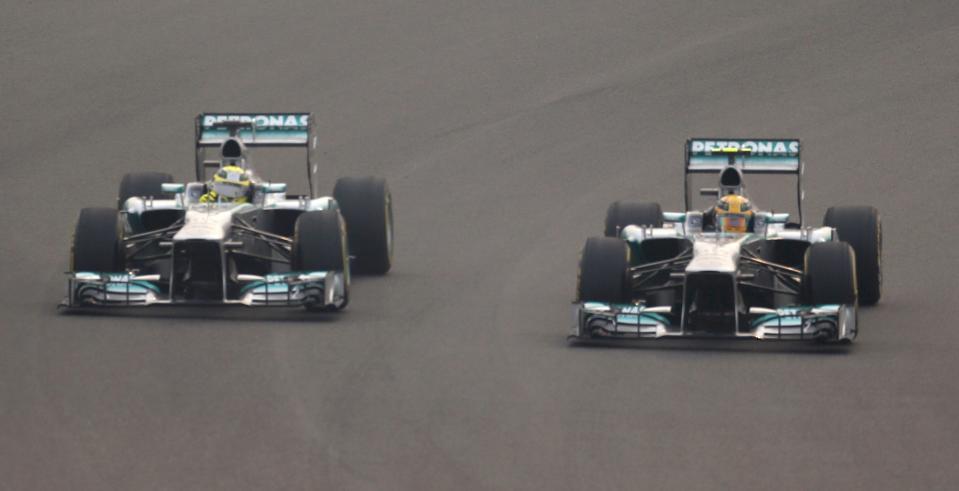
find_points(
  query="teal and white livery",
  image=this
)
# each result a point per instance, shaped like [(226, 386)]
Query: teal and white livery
[(729, 271), (170, 243)]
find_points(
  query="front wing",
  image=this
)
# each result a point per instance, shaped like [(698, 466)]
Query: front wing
[(836, 323), (311, 288)]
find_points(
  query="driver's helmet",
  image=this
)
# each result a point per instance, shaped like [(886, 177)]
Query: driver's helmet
[(231, 184), (733, 214)]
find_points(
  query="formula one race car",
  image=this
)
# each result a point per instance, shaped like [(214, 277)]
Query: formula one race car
[(232, 238), (731, 270)]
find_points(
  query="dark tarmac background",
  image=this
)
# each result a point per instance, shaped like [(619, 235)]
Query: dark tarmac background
[(504, 129)]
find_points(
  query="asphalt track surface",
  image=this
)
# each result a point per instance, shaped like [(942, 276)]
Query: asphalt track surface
[(505, 129)]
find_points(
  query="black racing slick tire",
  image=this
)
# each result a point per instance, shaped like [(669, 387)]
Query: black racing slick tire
[(97, 241), (829, 275), (143, 184), (861, 227), (320, 244), (603, 269), (367, 207), (623, 213)]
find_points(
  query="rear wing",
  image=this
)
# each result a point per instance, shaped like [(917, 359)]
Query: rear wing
[(749, 156), (293, 129), (772, 156)]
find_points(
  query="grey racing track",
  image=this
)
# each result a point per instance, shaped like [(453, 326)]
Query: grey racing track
[(504, 129)]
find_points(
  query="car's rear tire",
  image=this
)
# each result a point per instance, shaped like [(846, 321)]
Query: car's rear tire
[(861, 227), (143, 184), (603, 269), (367, 207), (623, 213), (829, 275), (97, 241), (320, 244)]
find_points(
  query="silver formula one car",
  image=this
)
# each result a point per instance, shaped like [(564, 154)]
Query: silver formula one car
[(234, 238), (729, 271)]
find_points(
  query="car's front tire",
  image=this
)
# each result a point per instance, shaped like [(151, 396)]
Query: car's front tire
[(603, 269), (320, 244), (829, 274), (97, 241)]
